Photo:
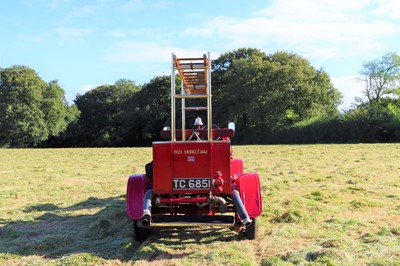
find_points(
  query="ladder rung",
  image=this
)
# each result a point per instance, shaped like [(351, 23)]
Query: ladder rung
[(198, 77), (196, 82), (194, 77), (194, 108), (193, 64), (196, 91), (191, 67), (191, 59), (195, 73), (190, 96), (194, 85)]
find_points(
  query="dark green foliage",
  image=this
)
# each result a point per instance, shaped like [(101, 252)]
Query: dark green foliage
[(103, 114), (372, 123), (30, 109), (148, 111), (272, 92), (57, 114)]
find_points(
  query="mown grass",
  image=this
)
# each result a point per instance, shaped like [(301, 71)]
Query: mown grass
[(323, 205)]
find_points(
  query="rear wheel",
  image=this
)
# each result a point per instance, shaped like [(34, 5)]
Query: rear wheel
[(140, 233), (251, 230)]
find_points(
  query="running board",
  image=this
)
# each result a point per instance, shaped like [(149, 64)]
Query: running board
[(183, 220)]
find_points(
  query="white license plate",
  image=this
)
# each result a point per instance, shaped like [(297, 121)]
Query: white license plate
[(191, 183)]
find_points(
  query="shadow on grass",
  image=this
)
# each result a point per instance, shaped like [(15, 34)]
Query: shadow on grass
[(100, 229)]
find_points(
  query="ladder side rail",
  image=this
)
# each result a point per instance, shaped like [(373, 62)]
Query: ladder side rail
[(209, 95), (173, 114), (183, 111)]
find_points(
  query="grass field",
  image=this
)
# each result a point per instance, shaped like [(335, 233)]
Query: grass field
[(323, 205)]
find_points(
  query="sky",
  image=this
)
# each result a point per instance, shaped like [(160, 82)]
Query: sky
[(87, 43)]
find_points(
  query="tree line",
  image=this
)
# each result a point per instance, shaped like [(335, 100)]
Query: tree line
[(272, 98)]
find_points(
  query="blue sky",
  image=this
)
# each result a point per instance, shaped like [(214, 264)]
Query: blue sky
[(86, 43)]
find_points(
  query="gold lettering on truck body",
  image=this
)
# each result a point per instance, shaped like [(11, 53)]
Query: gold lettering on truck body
[(195, 152)]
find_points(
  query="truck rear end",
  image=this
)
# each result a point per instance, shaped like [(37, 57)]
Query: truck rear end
[(193, 179)]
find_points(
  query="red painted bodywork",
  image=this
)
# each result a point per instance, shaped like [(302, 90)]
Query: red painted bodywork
[(135, 196), (194, 160), (236, 168), (250, 193), (189, 160)]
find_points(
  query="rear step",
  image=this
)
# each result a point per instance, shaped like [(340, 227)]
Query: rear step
[(181, 220)]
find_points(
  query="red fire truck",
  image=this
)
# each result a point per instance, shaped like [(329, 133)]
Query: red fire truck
[(193, 179)]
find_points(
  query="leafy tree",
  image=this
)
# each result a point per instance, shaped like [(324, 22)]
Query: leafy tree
[(148, 111), (57, 114), (270, 91), (377, 118), (30, 109), (381, 77), (231, 94), (102, 113)]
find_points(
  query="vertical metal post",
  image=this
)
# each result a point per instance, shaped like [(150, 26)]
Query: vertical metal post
[(209, 95), (183, 112), (173, 122)]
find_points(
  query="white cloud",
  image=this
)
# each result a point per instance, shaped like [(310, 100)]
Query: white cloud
[(73, 35), (130, 51), (339, 28), (70, 95), (68, 35), (85, 88), (36, 38), (314, 11), (350, 87), (388, 9)]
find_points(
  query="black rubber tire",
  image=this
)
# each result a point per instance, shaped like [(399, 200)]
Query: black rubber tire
[(251, 230), (140, 233)]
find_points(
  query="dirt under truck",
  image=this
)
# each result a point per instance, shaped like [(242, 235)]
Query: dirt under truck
[(193, 179)]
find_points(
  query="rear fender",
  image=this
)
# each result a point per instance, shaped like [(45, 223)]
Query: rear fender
[(250, 193), (135, 196), (236, 168)]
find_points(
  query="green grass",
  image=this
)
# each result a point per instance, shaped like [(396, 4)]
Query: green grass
[(323, 205)]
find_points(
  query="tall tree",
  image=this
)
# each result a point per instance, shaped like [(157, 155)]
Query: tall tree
[(30, 109), (270, 91), (148, 112), (381, 77), (102, 112), (57, 114)]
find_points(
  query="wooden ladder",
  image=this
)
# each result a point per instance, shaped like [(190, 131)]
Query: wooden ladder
[(195, 74)]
